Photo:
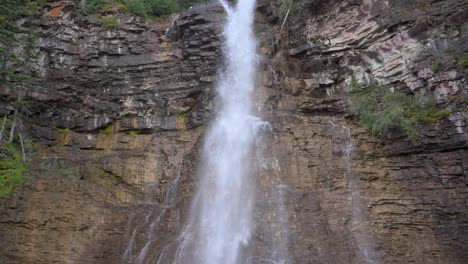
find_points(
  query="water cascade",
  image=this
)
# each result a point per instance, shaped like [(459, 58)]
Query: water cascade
[(359, 224), (221, 222)]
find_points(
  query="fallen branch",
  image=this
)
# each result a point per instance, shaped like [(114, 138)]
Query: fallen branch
[(281, 30), (284, 22)]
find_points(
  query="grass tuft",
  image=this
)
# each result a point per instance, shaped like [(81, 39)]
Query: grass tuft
[(109, 22)]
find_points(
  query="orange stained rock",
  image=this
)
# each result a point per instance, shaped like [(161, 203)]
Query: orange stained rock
[(56, 11)]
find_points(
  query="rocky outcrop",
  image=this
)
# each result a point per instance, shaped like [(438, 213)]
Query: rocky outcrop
[(118, 114)]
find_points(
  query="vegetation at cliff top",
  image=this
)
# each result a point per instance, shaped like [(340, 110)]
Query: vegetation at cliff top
[(298, 5), (143, 8), (381, 110)]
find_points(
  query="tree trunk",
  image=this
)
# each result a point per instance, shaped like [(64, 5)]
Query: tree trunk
[(22, 146), (13, 126), (12, 130), (3, 128)]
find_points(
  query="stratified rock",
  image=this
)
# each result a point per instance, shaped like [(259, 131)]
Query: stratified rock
[(117, 118)]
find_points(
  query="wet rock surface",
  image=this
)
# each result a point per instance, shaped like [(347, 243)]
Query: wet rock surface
[(118, 117)]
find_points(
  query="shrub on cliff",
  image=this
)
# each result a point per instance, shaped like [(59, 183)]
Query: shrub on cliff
[(152, 7), (296, 6), (143, 8), (381, 110), (189, 3)]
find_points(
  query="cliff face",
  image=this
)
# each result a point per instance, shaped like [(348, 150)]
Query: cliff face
[(118, 117), (351, 195)]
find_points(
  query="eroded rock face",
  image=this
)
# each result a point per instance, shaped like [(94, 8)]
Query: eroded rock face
[(388, 200), (119, 114)]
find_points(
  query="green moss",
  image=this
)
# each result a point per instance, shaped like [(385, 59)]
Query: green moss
[(106, 131), (107, 176), (464, 62), (102, 173), (12, 169), (182, 115), (28, 144), (109, 21), (460, 58), (64, 130), (380, 110), (133, 132)]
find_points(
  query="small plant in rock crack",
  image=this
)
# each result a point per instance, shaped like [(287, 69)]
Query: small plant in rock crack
[(380, 110), (106, 131), (109, 22), (133, 133), (108, 176), (12, 168), (64, 130)]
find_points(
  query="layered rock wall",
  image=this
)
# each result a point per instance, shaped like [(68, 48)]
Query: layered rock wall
[(118, 117), (353, 198)]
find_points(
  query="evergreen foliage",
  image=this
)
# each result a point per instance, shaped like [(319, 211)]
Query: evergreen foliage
[(16, 35), (381, 110)]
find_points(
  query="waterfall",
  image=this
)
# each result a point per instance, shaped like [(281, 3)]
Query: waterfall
[(359, 224), (220, 224)]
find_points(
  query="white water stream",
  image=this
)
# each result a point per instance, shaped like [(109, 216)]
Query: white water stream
[(221, 222), (359, 224)]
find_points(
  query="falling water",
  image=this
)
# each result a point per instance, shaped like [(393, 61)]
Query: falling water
[(152, 213), (220, 225), (359, 224)]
